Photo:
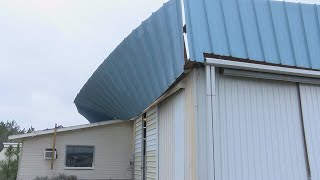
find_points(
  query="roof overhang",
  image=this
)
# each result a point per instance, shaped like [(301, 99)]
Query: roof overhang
[(144, 66), (275, 35)]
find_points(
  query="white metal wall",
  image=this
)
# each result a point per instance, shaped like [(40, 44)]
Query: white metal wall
[(138, 148), (258, 130), (171, 137), (310, 101), (152, 144), (190, 125)]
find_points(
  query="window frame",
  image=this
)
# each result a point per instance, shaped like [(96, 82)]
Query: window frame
[(80, 168)]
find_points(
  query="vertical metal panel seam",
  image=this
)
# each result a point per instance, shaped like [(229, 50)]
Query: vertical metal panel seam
[(149, 67), (305, 36), (139, 79), (259, 31), (318, 20), (225, 26), (157, 28), (274, 33), (112, 99), (207, 23), (240, 139), (181, 37), (169, 33), (145, 71), (114, 83), (242, 30), (293, 52), (120, 85), (147, 38), (132, 64), (96, 104), (287, 103), (117, 88)]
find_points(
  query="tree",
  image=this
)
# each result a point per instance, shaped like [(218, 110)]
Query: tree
[(30, 129), (10, 128), (9, 167)]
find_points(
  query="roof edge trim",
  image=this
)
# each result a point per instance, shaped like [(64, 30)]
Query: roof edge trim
[(64, 129), (249, 65)]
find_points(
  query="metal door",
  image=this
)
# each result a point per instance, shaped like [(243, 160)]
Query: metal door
[(258, 133), (310, 101)]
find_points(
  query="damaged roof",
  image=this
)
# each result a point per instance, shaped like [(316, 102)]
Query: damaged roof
[(151, 59)]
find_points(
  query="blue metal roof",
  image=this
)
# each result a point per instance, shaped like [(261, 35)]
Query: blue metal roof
[(138, 71), (275, 32), (151, 58)]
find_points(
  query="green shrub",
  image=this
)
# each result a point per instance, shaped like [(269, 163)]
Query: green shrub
[(41, 178), (59, 177)]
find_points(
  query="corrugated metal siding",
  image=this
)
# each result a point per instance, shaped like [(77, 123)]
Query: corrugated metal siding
[(310, 99), (201, 125), (113, 148), (138, 149), (147, 62), (258, 134), (190, 126), (171, 137), (152, 145), (262, 30)]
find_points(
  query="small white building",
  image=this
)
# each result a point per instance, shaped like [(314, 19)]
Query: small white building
[(90, 152), (6, 146)]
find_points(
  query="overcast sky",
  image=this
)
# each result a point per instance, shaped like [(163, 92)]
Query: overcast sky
[(49, 49)]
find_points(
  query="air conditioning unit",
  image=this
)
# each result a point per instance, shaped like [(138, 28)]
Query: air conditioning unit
[(48, 154)]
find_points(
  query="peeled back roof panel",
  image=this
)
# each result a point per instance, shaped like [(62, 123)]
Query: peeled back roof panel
[(138, 71), (278, 32)]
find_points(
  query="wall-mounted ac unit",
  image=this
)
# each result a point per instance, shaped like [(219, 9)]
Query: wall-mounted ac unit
[(48, 154)]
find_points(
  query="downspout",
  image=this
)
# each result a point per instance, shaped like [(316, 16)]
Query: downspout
[(210, 118)]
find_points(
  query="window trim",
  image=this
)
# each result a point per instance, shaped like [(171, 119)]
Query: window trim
[(80, 168)]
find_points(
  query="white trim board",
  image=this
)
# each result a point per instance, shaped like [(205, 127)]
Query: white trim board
[(262, 68), (270, 76)]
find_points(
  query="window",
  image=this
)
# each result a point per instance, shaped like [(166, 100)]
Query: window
[(79, 156)]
